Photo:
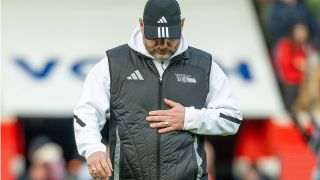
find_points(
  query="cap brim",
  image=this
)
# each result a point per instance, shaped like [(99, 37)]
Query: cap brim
[(156, 32)]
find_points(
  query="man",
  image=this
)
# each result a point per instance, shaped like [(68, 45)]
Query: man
[(163, 97)]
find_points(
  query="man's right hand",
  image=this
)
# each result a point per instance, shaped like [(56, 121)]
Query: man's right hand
[(99, 165)]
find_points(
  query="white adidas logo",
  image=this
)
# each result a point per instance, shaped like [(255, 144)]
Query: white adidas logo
[(163, 32), (136, 75), (162, 20)]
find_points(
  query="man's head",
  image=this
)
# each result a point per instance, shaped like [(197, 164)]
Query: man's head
[(161, 27)]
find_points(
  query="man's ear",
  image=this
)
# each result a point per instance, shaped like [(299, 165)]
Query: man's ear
[(141, 25), (182, 23)]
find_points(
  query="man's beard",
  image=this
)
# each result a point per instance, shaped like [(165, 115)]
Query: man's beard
[(162, 54)]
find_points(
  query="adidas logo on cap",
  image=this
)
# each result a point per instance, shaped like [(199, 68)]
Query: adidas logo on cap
[(162, 20)]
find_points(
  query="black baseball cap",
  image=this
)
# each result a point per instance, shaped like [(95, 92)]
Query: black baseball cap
[(162, 19)]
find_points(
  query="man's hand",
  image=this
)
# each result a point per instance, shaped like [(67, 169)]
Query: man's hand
[(167, 120), (99, 165)]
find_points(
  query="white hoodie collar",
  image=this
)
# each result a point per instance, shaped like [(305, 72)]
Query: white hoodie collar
[(136, 43)]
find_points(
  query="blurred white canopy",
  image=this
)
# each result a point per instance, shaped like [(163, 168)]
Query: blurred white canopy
[(43, 42)]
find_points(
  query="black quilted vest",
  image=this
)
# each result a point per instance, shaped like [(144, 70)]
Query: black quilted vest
[(144, 153)]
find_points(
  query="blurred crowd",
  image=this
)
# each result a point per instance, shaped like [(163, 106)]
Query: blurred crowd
[(293, 36), (46, 162), (292, 33)]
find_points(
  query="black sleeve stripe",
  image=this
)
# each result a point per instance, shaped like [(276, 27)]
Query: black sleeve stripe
[(229, 118), (79, 121)]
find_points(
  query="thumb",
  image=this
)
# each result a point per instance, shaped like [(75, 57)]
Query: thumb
[(109, 163), (171, 103)]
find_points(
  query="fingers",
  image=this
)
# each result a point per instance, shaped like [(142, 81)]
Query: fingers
[(156, 118), (159, 124), (99, 166), (159, 113), (101, 171), (109, 164), (171, 103), (106, 168), (167, 120), (93, 171), (165, 112), (167, 129)]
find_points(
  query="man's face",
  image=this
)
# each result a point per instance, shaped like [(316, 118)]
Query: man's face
[(161, 48)]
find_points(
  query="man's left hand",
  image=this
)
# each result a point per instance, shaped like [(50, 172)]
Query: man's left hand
[(167, 120)]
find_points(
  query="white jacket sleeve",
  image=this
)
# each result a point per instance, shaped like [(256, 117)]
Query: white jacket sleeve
[(90, 112), (221, 115)]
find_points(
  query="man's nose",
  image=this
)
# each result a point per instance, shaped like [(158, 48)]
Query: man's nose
[(162, 43)]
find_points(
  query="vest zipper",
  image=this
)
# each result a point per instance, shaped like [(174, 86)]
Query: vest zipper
[(158, 134), (159, 107)]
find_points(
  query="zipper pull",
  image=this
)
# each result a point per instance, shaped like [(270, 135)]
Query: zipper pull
[(162, 62)]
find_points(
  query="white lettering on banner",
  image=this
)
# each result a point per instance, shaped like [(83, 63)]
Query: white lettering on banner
[(76, 69), (241, 70)]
